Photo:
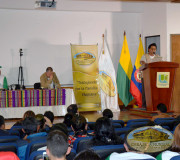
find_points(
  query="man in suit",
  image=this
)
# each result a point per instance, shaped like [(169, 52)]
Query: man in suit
[(49, 79)]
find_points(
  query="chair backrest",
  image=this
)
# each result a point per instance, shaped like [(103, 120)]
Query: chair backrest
[(105, 151), (119, 121), (36, 155), (82, 144), (8, 147), (175, 158), (37, 85), (34, 146), (117, 125), (71, 155), (91, 125), (120, 131), (137, 124), (138, 120), (165, 122), (75, 143), (6, 139)]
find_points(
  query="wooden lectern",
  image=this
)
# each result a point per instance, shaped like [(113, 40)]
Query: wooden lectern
[(159, 78)]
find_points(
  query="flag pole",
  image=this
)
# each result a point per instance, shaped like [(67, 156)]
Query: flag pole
[(103, 44)]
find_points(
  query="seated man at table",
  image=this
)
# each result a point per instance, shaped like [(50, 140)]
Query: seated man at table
[(49, 79)]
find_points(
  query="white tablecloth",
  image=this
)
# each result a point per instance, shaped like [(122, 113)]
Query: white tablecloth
[(18, 112)]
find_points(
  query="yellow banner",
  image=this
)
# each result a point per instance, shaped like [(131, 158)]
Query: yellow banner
[(85, 77)]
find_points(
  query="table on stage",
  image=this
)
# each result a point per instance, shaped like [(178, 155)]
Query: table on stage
[(39, 101)]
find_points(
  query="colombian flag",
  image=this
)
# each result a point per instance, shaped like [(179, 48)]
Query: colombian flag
[(124, 74), (136, 85)]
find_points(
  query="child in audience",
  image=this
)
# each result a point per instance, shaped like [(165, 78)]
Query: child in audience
[(28, 113), (49, 119), (68, 119), (79, 126), (87, 155), (41, 122), (73, 109), (175, 150), (108, 113), (57, 145), (2, 127), (161, 111)]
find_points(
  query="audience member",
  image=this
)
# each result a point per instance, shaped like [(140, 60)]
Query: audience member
[(161, 111), (41, 122), (68, 119), (104, 133), (30, 126), (30, 130), (73, 109), (2, 127), (49, 118), (130, 154), (57, 145), (87, 155), (175, 149), (79, 126), (28, 113), (108, 113)]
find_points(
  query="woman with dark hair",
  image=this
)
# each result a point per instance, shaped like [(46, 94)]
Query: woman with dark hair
[(108, 113), (175, 149), (104, 133), (79, 127)]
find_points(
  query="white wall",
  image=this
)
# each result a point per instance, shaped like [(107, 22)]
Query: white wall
[(45, 36), (155, 23)]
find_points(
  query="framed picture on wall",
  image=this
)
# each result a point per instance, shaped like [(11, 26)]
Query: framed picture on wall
[(152, 39)]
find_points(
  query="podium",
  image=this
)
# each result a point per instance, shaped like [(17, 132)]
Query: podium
[(159, 80)]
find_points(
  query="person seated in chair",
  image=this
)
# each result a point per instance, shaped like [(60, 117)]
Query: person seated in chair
[(57, 145), (79, 126), (174, 150), (108, 114), (130, 154), (28, 113), (49, 79), (3, 132), (161, 111), (73, 109), (104, 134)]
